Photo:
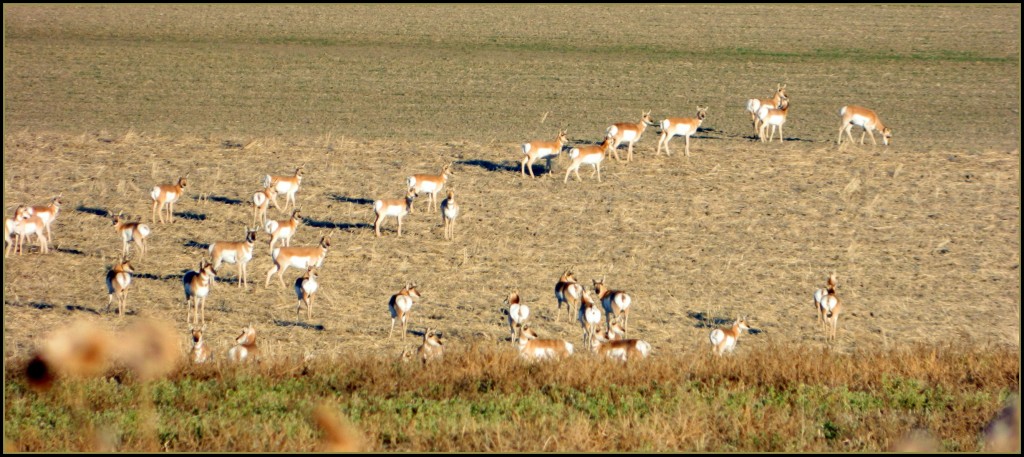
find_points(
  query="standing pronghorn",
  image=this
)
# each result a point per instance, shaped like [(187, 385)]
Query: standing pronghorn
[(590, 155), (200, 352), (724, 339), (614, 302), (400, 305), (305, 289), (245, 345), (589, 317), (21, 212), (235, 252), (866, 119), (48, 213), (197, 288), (165, 195), (685, 126), (531, 348), (298, 257), (118, 279), (828, 305), (283, 230), (261, 202), (432, 347), (287, 185), (396, 208), (517, 313), (449, 211), (22, 225), (755, 104), (605, 343), (568, 291), (430, 184), (542, 150), (629, 133), (774, 118), (131, 231)]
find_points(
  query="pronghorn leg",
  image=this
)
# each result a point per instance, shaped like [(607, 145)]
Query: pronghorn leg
[(270, 273), (392, 328), (399, 226), (687, 145)]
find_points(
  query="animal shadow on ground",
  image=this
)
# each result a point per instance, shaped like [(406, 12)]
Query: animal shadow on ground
[(307, 326), (197, 245), (94, 211), (356, 200), (716, 322), (336, 225), (69, 251), (191, 216), (225, 200), (490, 166), (179, 277)]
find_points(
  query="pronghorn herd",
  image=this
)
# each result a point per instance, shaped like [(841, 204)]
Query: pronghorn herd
[(582, 304)]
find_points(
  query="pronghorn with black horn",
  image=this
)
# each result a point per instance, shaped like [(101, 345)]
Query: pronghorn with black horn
[(429, 184), (541, 150), (197, 288), (724, 339), (298, 257), (684, 126), (165, 195), (615, 303), (200, 352), (235, 252), (629, 133), (131, 231), (287, 185), (397, 208), (283, 230), (48, 213), (755, 104)]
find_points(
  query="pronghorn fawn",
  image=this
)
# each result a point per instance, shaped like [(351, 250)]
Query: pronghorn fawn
[(828, 306), (305, 289), (298, 257), (449, 211), (165, 195), (542, 150), (568, 291), (429, 184), (867, 120), (629, 133), (532, 348), (605, 343), (200, 352), (755, 104), (261, 202), (400, 305), (118, 279), (245, 346), (590, 155), (287, 185), (197, 288), (235, 252), (131, 231), (396, 208), (283, 230), (724, 339), (48, 213), (774, 118), (517, 313), (682, 126), (21, 226), (589, 317), (615, 303), (432, 347)]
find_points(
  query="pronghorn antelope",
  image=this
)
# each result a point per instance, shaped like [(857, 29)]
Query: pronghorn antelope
[(165, 195), (724, 339), (615, 303), (774, 118), (235, 252), (305, 289), (261, 202), (589, 317), (828, 305), (685, 126), (542, 150), (48, 213), (531, 348), (400, 305), (197, 288), (245, 346), (590, 155), (604, 343), (429, 184), (287, 185), (517, 313), (118, 279), (22, 225), (298, 257), (200, 352), (568, 291), (755, 104), (449, 211), (283, 230), (432, 347), (131, 231), (397, 208), (866, 119), (629, 133)]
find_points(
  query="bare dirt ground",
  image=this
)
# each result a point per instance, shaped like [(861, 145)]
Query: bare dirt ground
[(102, 103)]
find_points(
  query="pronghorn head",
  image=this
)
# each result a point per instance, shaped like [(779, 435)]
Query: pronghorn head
[(117, 218), (197, 334), (296, 214), (298, 171), (568, 275), (411, 194), (271, 189), (248, 335), (410, 290), (599, 287), (513, 298), (311, 272), (780, 90), (563, 136), (886, 136), (325, 241), (617, 332), (702, 112), (431, 337), (56, 200), (645, 117), (206, 268), (451, 195), (124, 265), (832, 282), (250, 235), (741, 324), (527, 333), (182, 181)]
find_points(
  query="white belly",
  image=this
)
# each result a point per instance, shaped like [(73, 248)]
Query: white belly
[(862, 121)]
